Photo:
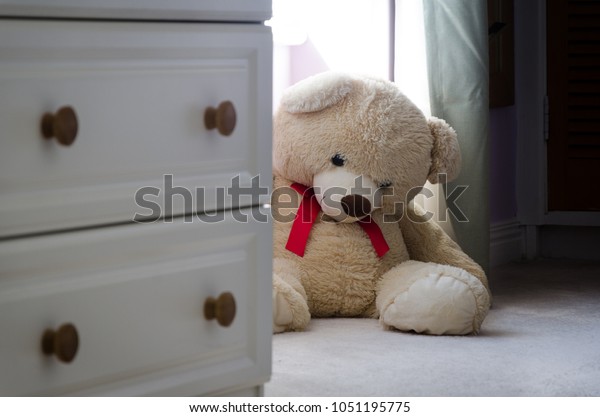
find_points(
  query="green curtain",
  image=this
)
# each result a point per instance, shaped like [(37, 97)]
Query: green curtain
[(456, 33)]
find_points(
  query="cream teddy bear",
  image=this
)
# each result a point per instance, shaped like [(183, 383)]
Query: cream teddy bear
[(349, 154)]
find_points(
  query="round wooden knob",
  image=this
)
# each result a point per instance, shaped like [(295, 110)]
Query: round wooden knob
[(222, 118), (61, 125), (222, 309), (62, 343)]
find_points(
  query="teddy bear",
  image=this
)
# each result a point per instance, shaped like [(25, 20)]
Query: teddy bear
[(349, 155)]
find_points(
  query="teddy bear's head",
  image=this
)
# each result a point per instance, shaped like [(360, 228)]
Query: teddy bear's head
[(358, 139)]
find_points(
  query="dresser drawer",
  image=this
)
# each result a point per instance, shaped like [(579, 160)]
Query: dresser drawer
[(139, 92), (219, 10), (136, 296)]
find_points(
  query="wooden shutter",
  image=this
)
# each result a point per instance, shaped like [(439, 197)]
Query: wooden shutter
[(573, 59)]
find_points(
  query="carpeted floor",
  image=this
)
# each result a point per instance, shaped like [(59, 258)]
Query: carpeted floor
[(541, 338)]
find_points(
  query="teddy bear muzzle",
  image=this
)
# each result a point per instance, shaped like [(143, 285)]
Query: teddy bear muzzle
[(356, 206), (345, 196)]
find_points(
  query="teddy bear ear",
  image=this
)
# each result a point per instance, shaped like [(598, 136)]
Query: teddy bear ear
[(445, 155), (317, 92)]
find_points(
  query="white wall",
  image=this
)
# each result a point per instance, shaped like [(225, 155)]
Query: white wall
[(312, 36)]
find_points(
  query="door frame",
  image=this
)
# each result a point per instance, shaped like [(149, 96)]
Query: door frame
[(530, 93)]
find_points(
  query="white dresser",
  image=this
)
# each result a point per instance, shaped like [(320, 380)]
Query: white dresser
[(127, 264)]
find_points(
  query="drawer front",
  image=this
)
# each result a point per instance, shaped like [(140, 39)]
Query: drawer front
[(140, 92), (136, 295), (204, 10)]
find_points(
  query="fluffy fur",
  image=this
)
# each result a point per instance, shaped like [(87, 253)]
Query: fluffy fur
[(316, 93), (445, 154), (383, 137)]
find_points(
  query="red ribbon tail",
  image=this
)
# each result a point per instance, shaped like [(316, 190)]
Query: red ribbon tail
[(305, 217), (299, 234)]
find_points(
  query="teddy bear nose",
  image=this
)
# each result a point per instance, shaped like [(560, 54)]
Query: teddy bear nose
[(356, 205)]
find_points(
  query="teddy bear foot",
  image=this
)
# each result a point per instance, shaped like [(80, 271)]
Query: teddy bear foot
[(290, 311), (441, 300)]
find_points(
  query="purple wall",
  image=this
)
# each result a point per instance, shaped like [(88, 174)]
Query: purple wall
[(503, 145)]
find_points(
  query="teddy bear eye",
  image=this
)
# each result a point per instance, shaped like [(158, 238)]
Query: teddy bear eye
[(337, 160), (385, 184)]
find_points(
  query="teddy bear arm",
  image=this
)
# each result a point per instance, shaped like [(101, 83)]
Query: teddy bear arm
[(427, 242)]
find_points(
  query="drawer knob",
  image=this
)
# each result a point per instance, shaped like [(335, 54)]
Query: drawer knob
[(222, 309), (222, 118), (62, 343), (61, 125)]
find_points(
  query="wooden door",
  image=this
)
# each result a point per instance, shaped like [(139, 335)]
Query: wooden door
[(573, 60)]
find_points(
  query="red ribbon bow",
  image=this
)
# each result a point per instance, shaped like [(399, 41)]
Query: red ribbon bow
[(307, 213)]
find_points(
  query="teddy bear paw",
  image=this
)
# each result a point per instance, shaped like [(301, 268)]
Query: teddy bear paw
[(290, 311), (450, 301)]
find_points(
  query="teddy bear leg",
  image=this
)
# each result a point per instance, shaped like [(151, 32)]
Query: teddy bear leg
[(432, 298), (290, 310)]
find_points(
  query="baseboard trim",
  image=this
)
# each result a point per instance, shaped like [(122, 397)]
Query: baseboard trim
[(570, 242), (506, 242)]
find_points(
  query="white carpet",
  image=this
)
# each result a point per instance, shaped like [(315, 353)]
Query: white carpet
[(541, 338)]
